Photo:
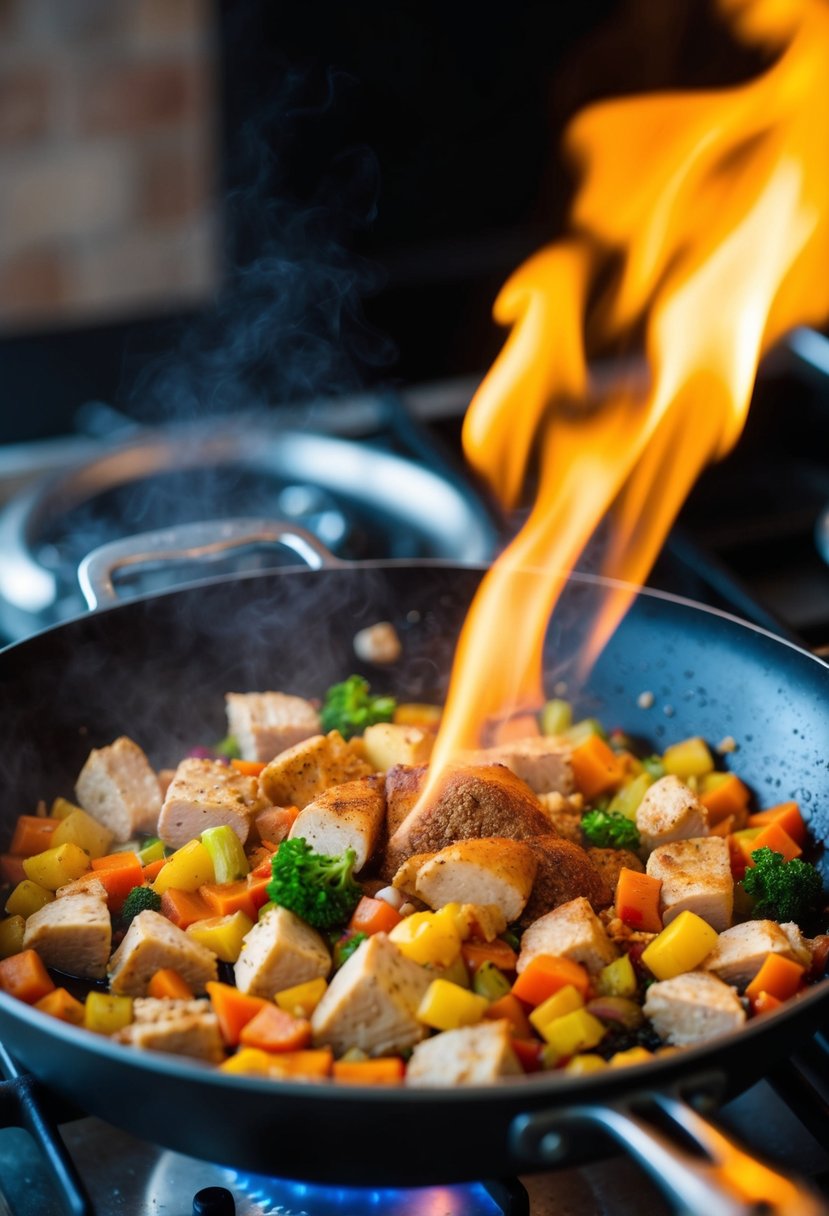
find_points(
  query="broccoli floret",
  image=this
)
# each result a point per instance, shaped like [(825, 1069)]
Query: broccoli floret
[(784, 890), (345, 947), (319, 889), (140, 899), (350, 707), (610, 830)]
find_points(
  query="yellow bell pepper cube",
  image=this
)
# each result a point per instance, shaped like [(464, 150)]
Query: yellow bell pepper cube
[(633, 1055), (428, 937), (28, 897), (556, 1006), (573, 1033), (617, 978), (55, 867), (188, 869), (11, 936), (689, 758), (62, 807), (81, 829), (681, 947), (105, 1013), (222, 934), (583, 1065), (445, 1006), (249, 1062), (302, 999)]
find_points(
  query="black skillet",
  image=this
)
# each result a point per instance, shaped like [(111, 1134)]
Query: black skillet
[(156, 668)]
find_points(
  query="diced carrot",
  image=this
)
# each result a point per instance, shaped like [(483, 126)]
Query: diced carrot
[(275, 822), (61, 1004), (374, 916), (384, 1070), (258, 888), (234, 1009), (11, 869), (168, 983), (545, 974), (764, 1002), (637, 900), (248, 768), (272, 1029), (776, 838), (32, 834), (263, 868), (184, 908), (787, 815), (529, 1053), (723, 827), (780, 977), (737, 857), (510, 1007), (153, 868), (596, 767), (311, 1064), (119, 873), (728, 797), (23, 975), (498, 952), (225, 898)]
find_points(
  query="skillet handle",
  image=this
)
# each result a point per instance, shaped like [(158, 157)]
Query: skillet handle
[(207, 541), (718, 1179)]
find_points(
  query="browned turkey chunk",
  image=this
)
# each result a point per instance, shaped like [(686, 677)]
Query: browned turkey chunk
[(543, 761), (299, 775), (151, 943), (117, 787), (670, 811), (404, 786), (693, 1008), (72, 934), (741, 950), (206, 794), (486, 870), (278, 952), (183, 1028), (610, 862), (348, 816), (564, 872), (266, 723), (472, 1055), (572, 931), (696, 877)]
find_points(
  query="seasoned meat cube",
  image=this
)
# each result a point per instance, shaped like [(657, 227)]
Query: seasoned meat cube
[(487, 870), (572, 931), (350, 815), (609, 863), (299, 775), (117, 786), (278, 952), (72, 934), (87, 884), (741, 951), (800, 947), (372, 1000), (473, 1055), (266, 723), (564, 815), (184, 1028), (696, 877), (153, 942), (670, 811), (404, 786), (387, 744), (564, 873), (405, 879), (693, 1008), (207, 794), (474, 801), (541, 760)]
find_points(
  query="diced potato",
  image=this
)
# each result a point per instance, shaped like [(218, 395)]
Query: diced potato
[(680, 947), (81, 829), (188, 869), (565, 1001), (583, 1065), (11, 935), (302, 999), (633, 1055), (55, 867), (574, 1032), (689, 758), (626, 800), (428, 937), (222, 934), (617, 978), (62, 807), (107, 1014), (387, 743), (445, 1006), (28, 897)]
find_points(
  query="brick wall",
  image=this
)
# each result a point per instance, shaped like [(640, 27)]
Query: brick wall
[(107, 158)]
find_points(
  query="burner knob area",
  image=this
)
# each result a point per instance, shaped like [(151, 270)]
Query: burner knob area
[(214, 1201)]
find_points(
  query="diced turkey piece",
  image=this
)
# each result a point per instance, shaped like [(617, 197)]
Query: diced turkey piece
[(184, 1028), (118, 787), (543, 761), (389, 743), (87, 884), (486, 921), (72, 934), (693, 1008), (266, 723), (348, 816), (572, 931), (405, 879), (206, 794), (800, 947), (564, 873), (696, 877), (299, 775), (741, 951), (487, 870), (151, 943), (278, 952), (404, 785), (564, 815), (371, 1003), (472, 1055), (670, 811)]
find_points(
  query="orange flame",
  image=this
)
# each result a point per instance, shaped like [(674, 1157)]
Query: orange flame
[(714, 207)]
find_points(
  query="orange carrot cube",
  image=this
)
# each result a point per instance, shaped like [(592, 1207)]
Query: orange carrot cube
[(596, 767), (546, 974), (637, 900), (24, 976)]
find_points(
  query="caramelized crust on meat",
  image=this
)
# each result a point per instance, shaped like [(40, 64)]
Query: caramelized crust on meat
[(403, 786), (565, 872), (610, 861)]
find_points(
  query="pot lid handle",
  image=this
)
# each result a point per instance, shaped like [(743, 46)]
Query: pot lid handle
[(206, 541)]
